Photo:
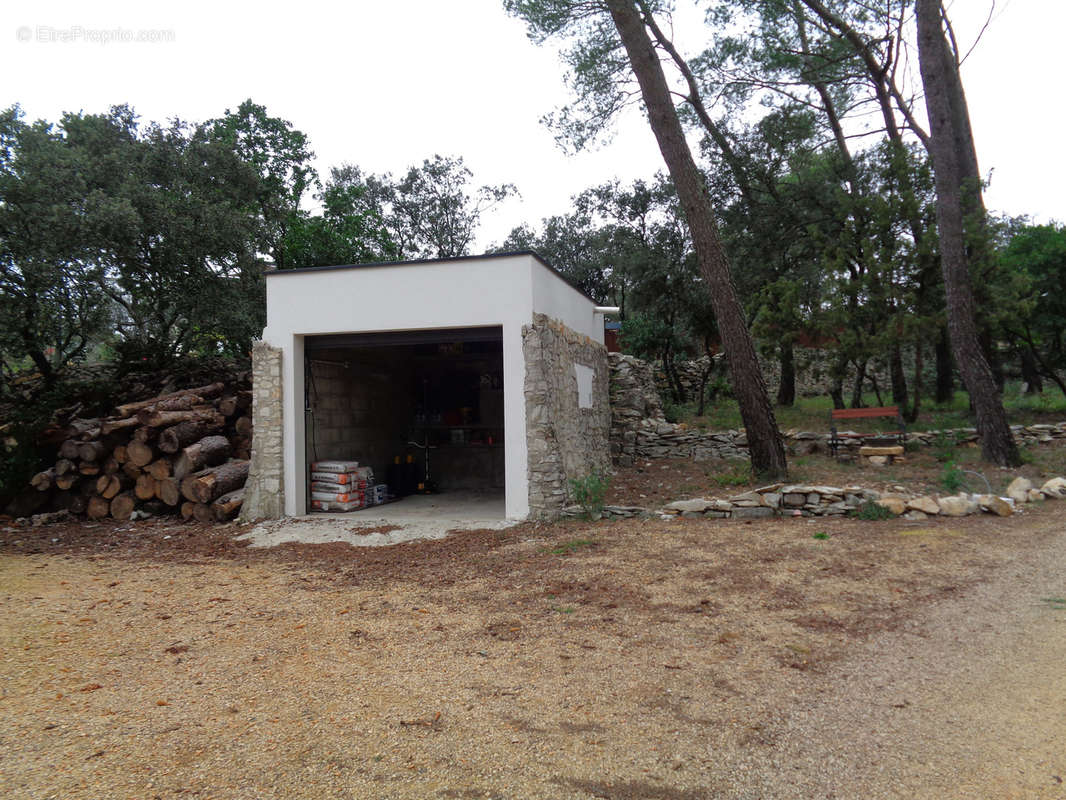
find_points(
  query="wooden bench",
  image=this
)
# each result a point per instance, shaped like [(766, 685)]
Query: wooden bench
[(900, 436)]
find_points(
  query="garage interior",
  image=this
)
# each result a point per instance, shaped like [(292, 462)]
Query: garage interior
[(390, 400)]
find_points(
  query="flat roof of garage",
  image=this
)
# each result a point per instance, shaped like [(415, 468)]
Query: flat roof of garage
[(273, 273)]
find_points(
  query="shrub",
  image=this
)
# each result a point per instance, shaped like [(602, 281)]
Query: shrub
[(952, 478), (872, 511), (589, 492)]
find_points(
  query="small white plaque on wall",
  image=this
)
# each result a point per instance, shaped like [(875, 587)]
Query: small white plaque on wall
[(584, 385)]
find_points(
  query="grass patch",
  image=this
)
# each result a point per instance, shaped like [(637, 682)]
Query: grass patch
[(812, 413), (1057, 603), (738, 475), (820, 536), (566, 548)]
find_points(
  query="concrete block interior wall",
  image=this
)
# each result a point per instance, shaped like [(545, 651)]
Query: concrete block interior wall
[(368, 402)]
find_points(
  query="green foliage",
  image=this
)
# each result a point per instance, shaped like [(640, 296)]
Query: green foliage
[(279, 157), (433, 211), (52, 305), (820, 535), (952, 478), (349, 229), (872, 511), (27, 415), (589, 492), (146, 240), (944, 444), (149, 237), (629, 246)]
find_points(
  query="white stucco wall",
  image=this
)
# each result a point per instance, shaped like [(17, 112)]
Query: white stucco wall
[(459, 293), (555, 298)]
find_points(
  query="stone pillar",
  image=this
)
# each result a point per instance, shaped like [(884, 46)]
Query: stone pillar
[(567, 424), (264, 491)]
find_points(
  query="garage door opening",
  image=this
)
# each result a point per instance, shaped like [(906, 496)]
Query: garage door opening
[(423, 410)]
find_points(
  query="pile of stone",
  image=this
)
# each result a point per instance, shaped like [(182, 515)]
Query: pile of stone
[(881, 456), (801, 500)]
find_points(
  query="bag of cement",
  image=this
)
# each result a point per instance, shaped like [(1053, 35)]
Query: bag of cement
[(353, 476), (329, 486), (339, 497), (334, 466), (333, 505)]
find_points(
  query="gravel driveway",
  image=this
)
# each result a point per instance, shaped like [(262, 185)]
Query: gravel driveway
[(640, 660)]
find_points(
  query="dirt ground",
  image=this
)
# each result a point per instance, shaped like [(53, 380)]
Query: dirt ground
[(641, 659), (653, 483)]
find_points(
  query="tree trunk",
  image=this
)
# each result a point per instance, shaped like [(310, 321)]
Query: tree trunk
[(899, 379), (705, 377), (111, 425), (122, 506), (140, 454), (67, 481), (69, 449), (92, 451), (145, 487), (202, 512), (183, 434), (837, 372), (958, 195), (912, 414), (108, 486), (945, 369), (856, 388), (97, 508), (764, 440), (207, 452), (786, 389), (227, 506), (1034, 384), (995, 360), (161, 468), (210, 484), (43, 481), (212, 390), (163, 419), (169, 491)]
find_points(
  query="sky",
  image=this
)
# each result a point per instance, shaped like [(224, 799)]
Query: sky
[(387, 84)]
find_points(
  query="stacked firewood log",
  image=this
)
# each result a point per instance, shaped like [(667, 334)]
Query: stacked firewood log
[(186, 452)]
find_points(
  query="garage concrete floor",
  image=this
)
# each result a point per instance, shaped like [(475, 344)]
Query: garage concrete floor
[(459, 505), (430, 516)]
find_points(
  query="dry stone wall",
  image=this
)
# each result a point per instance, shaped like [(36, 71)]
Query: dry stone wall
[(803, 500), (813, 373), (264, 496), (567, 439), (639, 429)]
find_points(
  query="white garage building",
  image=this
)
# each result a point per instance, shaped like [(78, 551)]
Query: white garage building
[(495, 361)]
